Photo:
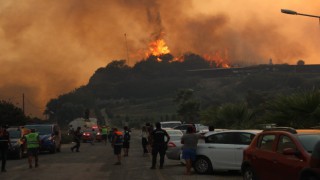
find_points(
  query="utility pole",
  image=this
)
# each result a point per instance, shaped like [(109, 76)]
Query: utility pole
[(23, 103), (125, 38)]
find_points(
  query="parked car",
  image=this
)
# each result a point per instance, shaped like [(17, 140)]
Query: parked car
[(50, 136), (281, 153), (19, 146), (200, 128), (222, 150), (174, 146)]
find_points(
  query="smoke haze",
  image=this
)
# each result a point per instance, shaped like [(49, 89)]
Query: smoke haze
[(51, 47)]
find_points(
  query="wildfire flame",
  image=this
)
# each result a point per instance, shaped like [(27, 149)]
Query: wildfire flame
[(157, 48), (218, 59)]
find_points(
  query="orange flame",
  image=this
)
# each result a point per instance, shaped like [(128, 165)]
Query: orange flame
[(218, 59), (157, 48)]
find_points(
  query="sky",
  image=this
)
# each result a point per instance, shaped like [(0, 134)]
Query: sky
[(49, 48)]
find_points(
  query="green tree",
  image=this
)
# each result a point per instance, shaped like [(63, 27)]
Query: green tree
[(298, 110), (11, 115), (229, 116), (188, 106)]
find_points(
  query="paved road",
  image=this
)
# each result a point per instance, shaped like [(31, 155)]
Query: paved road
[(96, 162)]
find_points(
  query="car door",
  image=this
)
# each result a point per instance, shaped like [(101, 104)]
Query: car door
[(242, 141), (287, 166), (220, 150), (263, 155)]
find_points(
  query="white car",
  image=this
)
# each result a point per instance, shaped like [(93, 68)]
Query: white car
[(222, 150), (174, 146)]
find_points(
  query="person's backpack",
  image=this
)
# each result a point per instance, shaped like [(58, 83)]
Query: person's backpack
[(126, 136)]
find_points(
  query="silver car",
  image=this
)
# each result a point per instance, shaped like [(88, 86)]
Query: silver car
[(174, 146)]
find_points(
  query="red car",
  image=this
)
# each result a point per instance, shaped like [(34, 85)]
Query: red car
[(278, 154), (91, 134)]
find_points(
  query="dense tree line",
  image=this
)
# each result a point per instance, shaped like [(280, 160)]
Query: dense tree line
[(227, 102)]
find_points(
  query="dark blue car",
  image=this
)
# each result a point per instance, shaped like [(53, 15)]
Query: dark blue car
[(50, 136)]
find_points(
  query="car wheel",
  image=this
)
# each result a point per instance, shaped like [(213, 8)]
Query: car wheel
[(249, 174), (202, 165)]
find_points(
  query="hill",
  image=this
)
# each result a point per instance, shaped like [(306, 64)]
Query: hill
[(146, 91)]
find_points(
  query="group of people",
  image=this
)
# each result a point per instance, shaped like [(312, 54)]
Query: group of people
[(117, 139), (156, 140), (32, 142)]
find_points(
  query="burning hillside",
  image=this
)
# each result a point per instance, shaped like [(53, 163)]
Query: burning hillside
[(159, 47)]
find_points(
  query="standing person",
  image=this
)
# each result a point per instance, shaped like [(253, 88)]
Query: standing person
[(189, 141), (76, 137), (144, 139), (33, 144), (126, 141), (104, 133), (149, 129), (4, 145), (93, 136), (159, 145), (117, 143)]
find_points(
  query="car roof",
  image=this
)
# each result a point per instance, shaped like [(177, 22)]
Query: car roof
[(254, 131), (169, 122)]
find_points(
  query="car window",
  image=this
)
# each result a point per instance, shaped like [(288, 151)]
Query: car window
[(221, 138), (243, 138), (266, 141), (308, 141), (182, 127), (284, 143), (41, 129), (14, 134)]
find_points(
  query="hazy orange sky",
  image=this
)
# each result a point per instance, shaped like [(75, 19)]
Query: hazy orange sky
[(49, 48)]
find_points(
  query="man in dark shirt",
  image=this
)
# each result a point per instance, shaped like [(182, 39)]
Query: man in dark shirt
[(77, 137), (4, 145), (159, 145)]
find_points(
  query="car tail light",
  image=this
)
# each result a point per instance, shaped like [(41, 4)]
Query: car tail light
[(171, 144)]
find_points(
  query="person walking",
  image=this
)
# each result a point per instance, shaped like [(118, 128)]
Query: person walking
[(104, 134), (93, 136), (4, 146), (33, 145), (126, 141), (189, 141), (76, 137), (159, 145), (117, 143), (144, 139)]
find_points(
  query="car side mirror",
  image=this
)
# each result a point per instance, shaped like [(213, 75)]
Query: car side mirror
[(291, 151)]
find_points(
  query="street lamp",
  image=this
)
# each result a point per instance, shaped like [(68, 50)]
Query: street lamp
[(287, 11)]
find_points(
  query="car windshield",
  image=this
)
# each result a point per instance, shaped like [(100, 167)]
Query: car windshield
[(170, 125), (308, 141), (14, 134), (41, 129)]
